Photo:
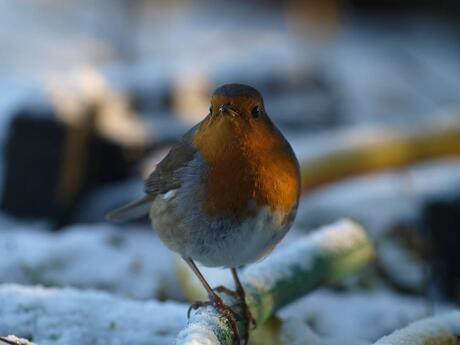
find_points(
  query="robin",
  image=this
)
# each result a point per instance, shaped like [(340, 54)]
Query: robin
[(227, 192)]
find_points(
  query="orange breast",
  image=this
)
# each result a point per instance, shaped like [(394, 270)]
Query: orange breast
[(249, 166)]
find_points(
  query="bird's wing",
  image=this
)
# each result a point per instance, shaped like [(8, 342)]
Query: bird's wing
[(161, 180), (164, 177), (134, 210)]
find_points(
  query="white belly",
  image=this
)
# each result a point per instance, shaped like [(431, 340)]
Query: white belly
[(221, 242)]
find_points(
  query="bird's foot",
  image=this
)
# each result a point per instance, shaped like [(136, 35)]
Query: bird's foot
[(196, 305), (223, 309), (227, 291), (240, 295)]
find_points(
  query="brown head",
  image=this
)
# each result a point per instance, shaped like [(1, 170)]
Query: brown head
[(250, 163)]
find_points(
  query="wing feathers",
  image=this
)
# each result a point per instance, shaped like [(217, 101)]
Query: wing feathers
[(134, 210), (164, 178)]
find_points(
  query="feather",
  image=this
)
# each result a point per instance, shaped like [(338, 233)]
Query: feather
[(164, 178), (134, 210)]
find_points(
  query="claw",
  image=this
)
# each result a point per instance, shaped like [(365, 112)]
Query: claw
[(240, 295), (223, 309), (197, 305)]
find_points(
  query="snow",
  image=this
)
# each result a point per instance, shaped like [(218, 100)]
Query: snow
[(69, 316), (396, 196), (200, 329), (128, 261), (296, 332), (443, 329), (15, 340), (403, 266), (358, 314), (132, 263)]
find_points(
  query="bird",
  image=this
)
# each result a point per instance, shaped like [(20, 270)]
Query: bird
[(227, 192)]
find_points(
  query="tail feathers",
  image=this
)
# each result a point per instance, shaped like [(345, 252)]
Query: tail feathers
[(134, 210)]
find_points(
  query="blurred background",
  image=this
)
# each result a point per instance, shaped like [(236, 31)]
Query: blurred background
[(93, 93)]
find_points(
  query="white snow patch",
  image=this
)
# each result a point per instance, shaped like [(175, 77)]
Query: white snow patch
[(15, 340), (443, 329), (129, 261), (380, 200), (402, 265), (68, 316), (296, 332), (359, 314)]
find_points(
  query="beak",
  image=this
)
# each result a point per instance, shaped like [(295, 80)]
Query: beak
[(226, 109)]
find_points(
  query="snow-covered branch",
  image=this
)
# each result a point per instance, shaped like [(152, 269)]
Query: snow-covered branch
[(443, 329), (327, 255)]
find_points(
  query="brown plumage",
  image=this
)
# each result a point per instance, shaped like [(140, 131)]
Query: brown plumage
[(227, 192), (248, 160)]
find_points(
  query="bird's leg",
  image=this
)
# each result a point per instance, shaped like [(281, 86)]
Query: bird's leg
[(227, 291), (214, 300), (242, 295)]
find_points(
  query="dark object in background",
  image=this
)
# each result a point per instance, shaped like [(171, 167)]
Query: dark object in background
[(429, 6), (49, 164), (306, 101), (32, 154), (441, 216)]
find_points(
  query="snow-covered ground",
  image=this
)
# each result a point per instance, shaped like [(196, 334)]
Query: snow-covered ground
[(397, 196), (50, 316), (127, 261), (132, 270), (70, 316), (359, 314)]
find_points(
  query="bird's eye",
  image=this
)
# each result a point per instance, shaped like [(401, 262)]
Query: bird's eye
[(210, 109), (255, 112)]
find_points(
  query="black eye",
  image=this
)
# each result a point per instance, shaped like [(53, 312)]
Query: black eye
[(255, 112), (210, 109)]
